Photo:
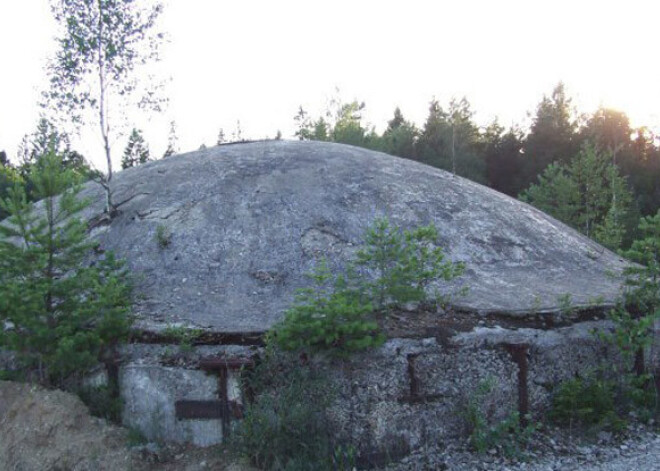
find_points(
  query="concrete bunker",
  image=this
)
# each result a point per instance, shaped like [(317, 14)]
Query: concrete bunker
[(246, 221)]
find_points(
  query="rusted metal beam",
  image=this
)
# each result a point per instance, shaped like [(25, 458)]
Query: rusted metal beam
[(225, 363), (189, 409), (519, 354), (203, 338), (412, 375)]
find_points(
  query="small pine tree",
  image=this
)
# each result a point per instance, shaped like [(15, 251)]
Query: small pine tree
[(60, 313), (172, 140), (403, 263), (337, 315), (136, 152), (221, 137), (644, 282)]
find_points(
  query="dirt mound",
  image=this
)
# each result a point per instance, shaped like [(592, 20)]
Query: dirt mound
[(44, 429), (51, 430)]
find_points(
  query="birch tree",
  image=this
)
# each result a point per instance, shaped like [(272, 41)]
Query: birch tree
[(94, 74)]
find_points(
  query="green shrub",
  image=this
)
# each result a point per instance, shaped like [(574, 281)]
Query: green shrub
[(183, 336), (135, 438), (102, 403), (286, 427), (163, 236), (586, 402), (400, 265), (338, 314), (336, 318), (507, 435)]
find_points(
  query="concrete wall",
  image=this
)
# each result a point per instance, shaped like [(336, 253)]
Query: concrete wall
[(153, 378), (378, 406)]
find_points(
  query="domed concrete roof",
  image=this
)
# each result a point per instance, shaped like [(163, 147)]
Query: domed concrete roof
[(246, 221)]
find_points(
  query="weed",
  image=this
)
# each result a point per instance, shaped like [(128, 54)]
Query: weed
[(565, 303), (508, 434), (586, 402), (163, 236), (102, 402), (286, 426), (183, 336), (135, 438)]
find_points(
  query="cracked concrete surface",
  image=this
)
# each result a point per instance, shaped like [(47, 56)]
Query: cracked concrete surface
[(275, 207)]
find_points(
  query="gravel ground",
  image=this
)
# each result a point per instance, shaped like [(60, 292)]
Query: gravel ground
[(637, 449), (42, 429)]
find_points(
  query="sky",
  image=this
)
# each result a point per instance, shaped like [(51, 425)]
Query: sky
[(257, 61)]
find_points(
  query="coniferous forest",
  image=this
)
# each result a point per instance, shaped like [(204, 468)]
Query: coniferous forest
[(595, 172)]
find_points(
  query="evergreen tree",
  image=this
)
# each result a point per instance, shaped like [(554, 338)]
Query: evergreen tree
[(237, 134), (553, 134), (172, 141), (61, 314), (450, 140), (221, 137), (608, 130), (136, 152), (640, 162), (400, 137), (466, 159), (431, 143), (503, 158), (588, 193), (9, 177), (47, 140)]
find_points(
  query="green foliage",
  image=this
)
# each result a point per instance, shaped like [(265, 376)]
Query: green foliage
[(642, 294), (286, 427), (403, 264), (136, 151), (565, 303), (102, 402), (639, 309), (183, 336), (135, 438), (586, 402), (450, 140), (330, 316), (337, 314), (342, 122), (163, 236), (64, 313), (400, 137), (47, 139), (552, 136), (9, 178), (102, 44), (507, 435), (631, 333), (587, 193), (595, 400)]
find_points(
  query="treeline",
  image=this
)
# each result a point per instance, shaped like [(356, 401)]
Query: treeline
[(594, 172), (47, 140)]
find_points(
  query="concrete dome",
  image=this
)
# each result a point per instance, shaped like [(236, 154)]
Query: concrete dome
[(248, 220)]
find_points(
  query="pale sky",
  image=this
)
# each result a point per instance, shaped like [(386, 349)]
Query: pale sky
[(257, 61)]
